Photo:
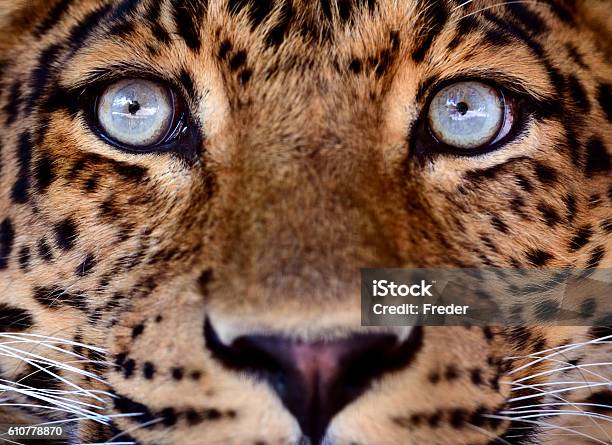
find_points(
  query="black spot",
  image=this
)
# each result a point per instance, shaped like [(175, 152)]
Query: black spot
[(224, 49), (587, 308), (129, 172), (520, 336), (477, 176), (433, 16), (277, 33), (188, 83), (177, 373), (188, 15), (11, 108), (529, 19), (547, 175), (517, 204), (546, 310), (44, 250), (40, 76), (43, 172), (434, 420), (86, 266), (604, 97), (570, 204), (524, 183), (356, 66), (128, 368), (14, 319), (488, 333), (594, 200), (55, 297), (476, 376), (24, 258), (575, 55), (245, 76), (66, 234), (606, 225), (595, 258), (597, 157), (137, 330), (581, 239), (578, 94), (237, 60), (538, 257), (549, 214), (52, 17), (433, 377), (80, 32), (41, 379), (148, 370), (127, 406), (601, 398), (152, 17), (465, 26), (193, 417), (24, 156), (168, 416), (7, 238), (451, 373), (91, 184), (602, 327), (499, 224), (458, 417)]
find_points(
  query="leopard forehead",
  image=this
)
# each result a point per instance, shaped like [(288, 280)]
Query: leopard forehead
[(298, 168)]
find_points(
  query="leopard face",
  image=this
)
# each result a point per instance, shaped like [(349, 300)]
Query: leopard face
[(204, 288)]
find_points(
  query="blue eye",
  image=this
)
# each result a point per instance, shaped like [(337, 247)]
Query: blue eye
[(467, 115), (137, 112)]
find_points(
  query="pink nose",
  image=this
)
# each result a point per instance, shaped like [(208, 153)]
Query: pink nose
[(315, 380)]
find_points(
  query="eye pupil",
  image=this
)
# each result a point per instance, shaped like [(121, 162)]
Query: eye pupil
[(133, 107), (462, 108)]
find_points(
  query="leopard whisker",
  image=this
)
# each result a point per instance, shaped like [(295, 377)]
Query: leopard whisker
[(46, 393), (554, 413), (557, 391), (45, 360), (557, 352), (540, 423), (581, 366), (535, 385), (593, 405), (46, 370), (559, 397), (47, 338)]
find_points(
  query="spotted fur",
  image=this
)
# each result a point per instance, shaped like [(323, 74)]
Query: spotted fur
[(299, 168)]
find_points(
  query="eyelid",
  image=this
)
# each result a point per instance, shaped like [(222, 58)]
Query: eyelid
[(505, 82)]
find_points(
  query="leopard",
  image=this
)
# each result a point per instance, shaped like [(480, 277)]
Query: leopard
[(189, 190)]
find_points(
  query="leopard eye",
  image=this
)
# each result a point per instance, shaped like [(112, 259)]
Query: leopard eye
[(137, 113), (467, 115)]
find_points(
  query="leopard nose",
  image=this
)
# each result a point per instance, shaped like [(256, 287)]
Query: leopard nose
[(315, 380)]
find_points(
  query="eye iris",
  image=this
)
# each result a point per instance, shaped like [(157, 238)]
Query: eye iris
[(466, 114), (136, 112)]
